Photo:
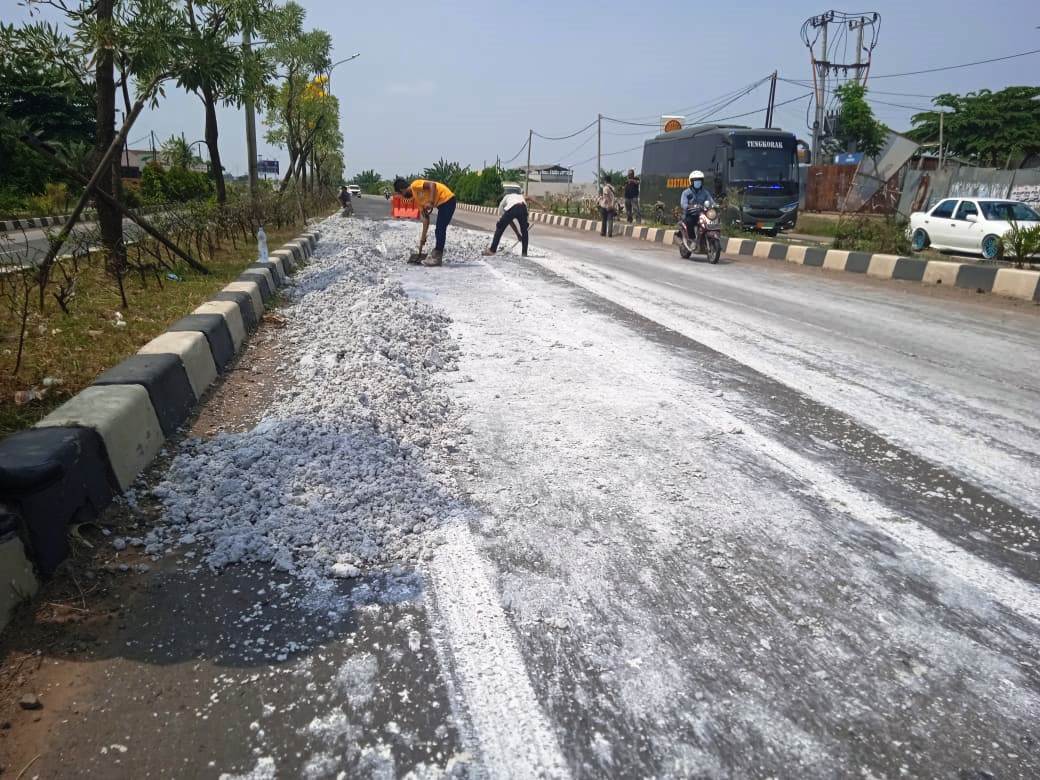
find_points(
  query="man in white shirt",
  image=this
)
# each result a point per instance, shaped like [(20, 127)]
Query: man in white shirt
[(513, 209)]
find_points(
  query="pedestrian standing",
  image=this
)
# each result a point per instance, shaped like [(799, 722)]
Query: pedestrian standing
[(429, 195), (632, 197), (607, 208), (513, 211)]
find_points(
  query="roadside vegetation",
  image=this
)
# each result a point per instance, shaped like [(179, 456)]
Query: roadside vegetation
[(102, 290)]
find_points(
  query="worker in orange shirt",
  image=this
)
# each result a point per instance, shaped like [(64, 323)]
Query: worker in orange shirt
[(429, 195)]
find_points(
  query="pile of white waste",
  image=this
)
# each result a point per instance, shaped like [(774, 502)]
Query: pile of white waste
[(349, 465)]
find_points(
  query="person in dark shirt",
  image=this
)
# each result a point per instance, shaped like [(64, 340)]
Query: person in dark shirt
[(632, 197)]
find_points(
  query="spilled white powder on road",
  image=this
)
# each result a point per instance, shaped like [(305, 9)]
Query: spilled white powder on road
[(350, 469), (347, 467)]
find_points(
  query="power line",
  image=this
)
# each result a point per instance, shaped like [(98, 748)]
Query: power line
[(634, 124), (759, 110), (605, 154), (685, 109), (806, 83), (522, 148), (955, 67), (565, 137)]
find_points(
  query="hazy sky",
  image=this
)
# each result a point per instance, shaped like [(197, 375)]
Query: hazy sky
[(465, 80)]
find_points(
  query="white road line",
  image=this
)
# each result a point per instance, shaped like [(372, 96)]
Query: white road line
[(512, 733)]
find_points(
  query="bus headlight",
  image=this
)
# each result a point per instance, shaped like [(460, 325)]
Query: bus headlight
[(789, 208)]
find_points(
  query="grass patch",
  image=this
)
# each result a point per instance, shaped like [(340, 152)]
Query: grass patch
[(76, 347), (816, 226)]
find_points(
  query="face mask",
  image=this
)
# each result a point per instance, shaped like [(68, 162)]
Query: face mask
[(697, 185)]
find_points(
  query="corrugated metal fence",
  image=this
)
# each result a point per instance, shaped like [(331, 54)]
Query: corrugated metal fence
[(827, 186)]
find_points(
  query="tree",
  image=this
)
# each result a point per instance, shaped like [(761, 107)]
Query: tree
[(445, 172), (299, 108), (85, 47), (369, 181), (211, 68), (857, 129), (176, 153), (995, 129), (37, 96)]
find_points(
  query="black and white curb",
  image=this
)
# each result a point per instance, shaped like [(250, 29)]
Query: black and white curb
[(1008, 282), (71, 465)]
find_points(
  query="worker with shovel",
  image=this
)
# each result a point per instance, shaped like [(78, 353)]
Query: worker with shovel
[(429, 195), (513, 210)]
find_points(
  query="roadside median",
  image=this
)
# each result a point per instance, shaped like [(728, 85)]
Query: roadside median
[(1021, 284), (68, 467)]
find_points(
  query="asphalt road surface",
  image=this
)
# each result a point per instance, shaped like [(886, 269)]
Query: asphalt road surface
[(683, 520)]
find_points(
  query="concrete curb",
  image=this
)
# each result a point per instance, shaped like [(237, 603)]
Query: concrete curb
[(1007, 282), (69, 467), (88, 215)]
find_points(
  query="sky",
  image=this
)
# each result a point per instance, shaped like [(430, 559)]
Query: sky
[(465, 80)]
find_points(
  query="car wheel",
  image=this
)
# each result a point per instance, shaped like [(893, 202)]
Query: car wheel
[(920, 241), (991, 249)]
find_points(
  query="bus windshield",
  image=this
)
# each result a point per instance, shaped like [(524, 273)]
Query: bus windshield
[(772, 165)]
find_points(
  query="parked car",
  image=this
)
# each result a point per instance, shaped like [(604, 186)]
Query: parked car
[(512, 188), (354, 190), (973, 225)]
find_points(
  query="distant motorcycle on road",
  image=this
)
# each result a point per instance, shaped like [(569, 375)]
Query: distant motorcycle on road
[(708, 236)]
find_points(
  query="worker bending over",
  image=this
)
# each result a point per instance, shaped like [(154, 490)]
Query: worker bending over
[(429, 195), (513, 209)]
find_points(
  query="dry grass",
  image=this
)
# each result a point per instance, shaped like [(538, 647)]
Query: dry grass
[(75, 348)]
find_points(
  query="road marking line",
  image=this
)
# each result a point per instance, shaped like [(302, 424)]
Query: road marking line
[(513, 735)]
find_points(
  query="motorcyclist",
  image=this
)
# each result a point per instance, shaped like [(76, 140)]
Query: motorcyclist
[(694, 200), (344, 195)]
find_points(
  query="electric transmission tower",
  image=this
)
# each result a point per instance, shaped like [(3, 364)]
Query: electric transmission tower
[(827, 36)]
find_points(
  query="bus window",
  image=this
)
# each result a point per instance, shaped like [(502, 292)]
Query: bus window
[(773, 165)]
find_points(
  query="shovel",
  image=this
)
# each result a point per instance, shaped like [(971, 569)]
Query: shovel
[(417, 257)]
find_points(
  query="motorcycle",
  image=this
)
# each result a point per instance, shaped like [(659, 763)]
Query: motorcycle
[(347, 204), (708, 238)]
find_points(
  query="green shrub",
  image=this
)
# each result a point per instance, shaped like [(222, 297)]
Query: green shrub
[(868, 234), (1019, 243), (176, 185)]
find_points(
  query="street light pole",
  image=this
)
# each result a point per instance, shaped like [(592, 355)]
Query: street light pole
[(334, 65)]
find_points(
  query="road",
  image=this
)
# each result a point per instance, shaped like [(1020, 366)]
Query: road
[(29, 246), (597, 513)]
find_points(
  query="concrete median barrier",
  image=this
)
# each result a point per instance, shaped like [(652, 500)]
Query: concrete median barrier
[(232, 314), (941, 272), (263, 279), (68, 467), (194, 353), (287, 258), (164, 378), (252, 289), (1017, 283), (123, 417), (218, 335), (51, 477)]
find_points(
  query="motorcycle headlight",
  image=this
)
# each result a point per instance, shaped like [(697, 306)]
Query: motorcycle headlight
[(789, 208)]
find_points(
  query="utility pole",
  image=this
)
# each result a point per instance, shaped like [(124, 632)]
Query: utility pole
[(250, 109), (816, 30), (599, 147), (772, 101), (527, 175), (941, 115), (821, 99)]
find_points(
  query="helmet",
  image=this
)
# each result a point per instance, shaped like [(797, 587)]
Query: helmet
[(696, 175)]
